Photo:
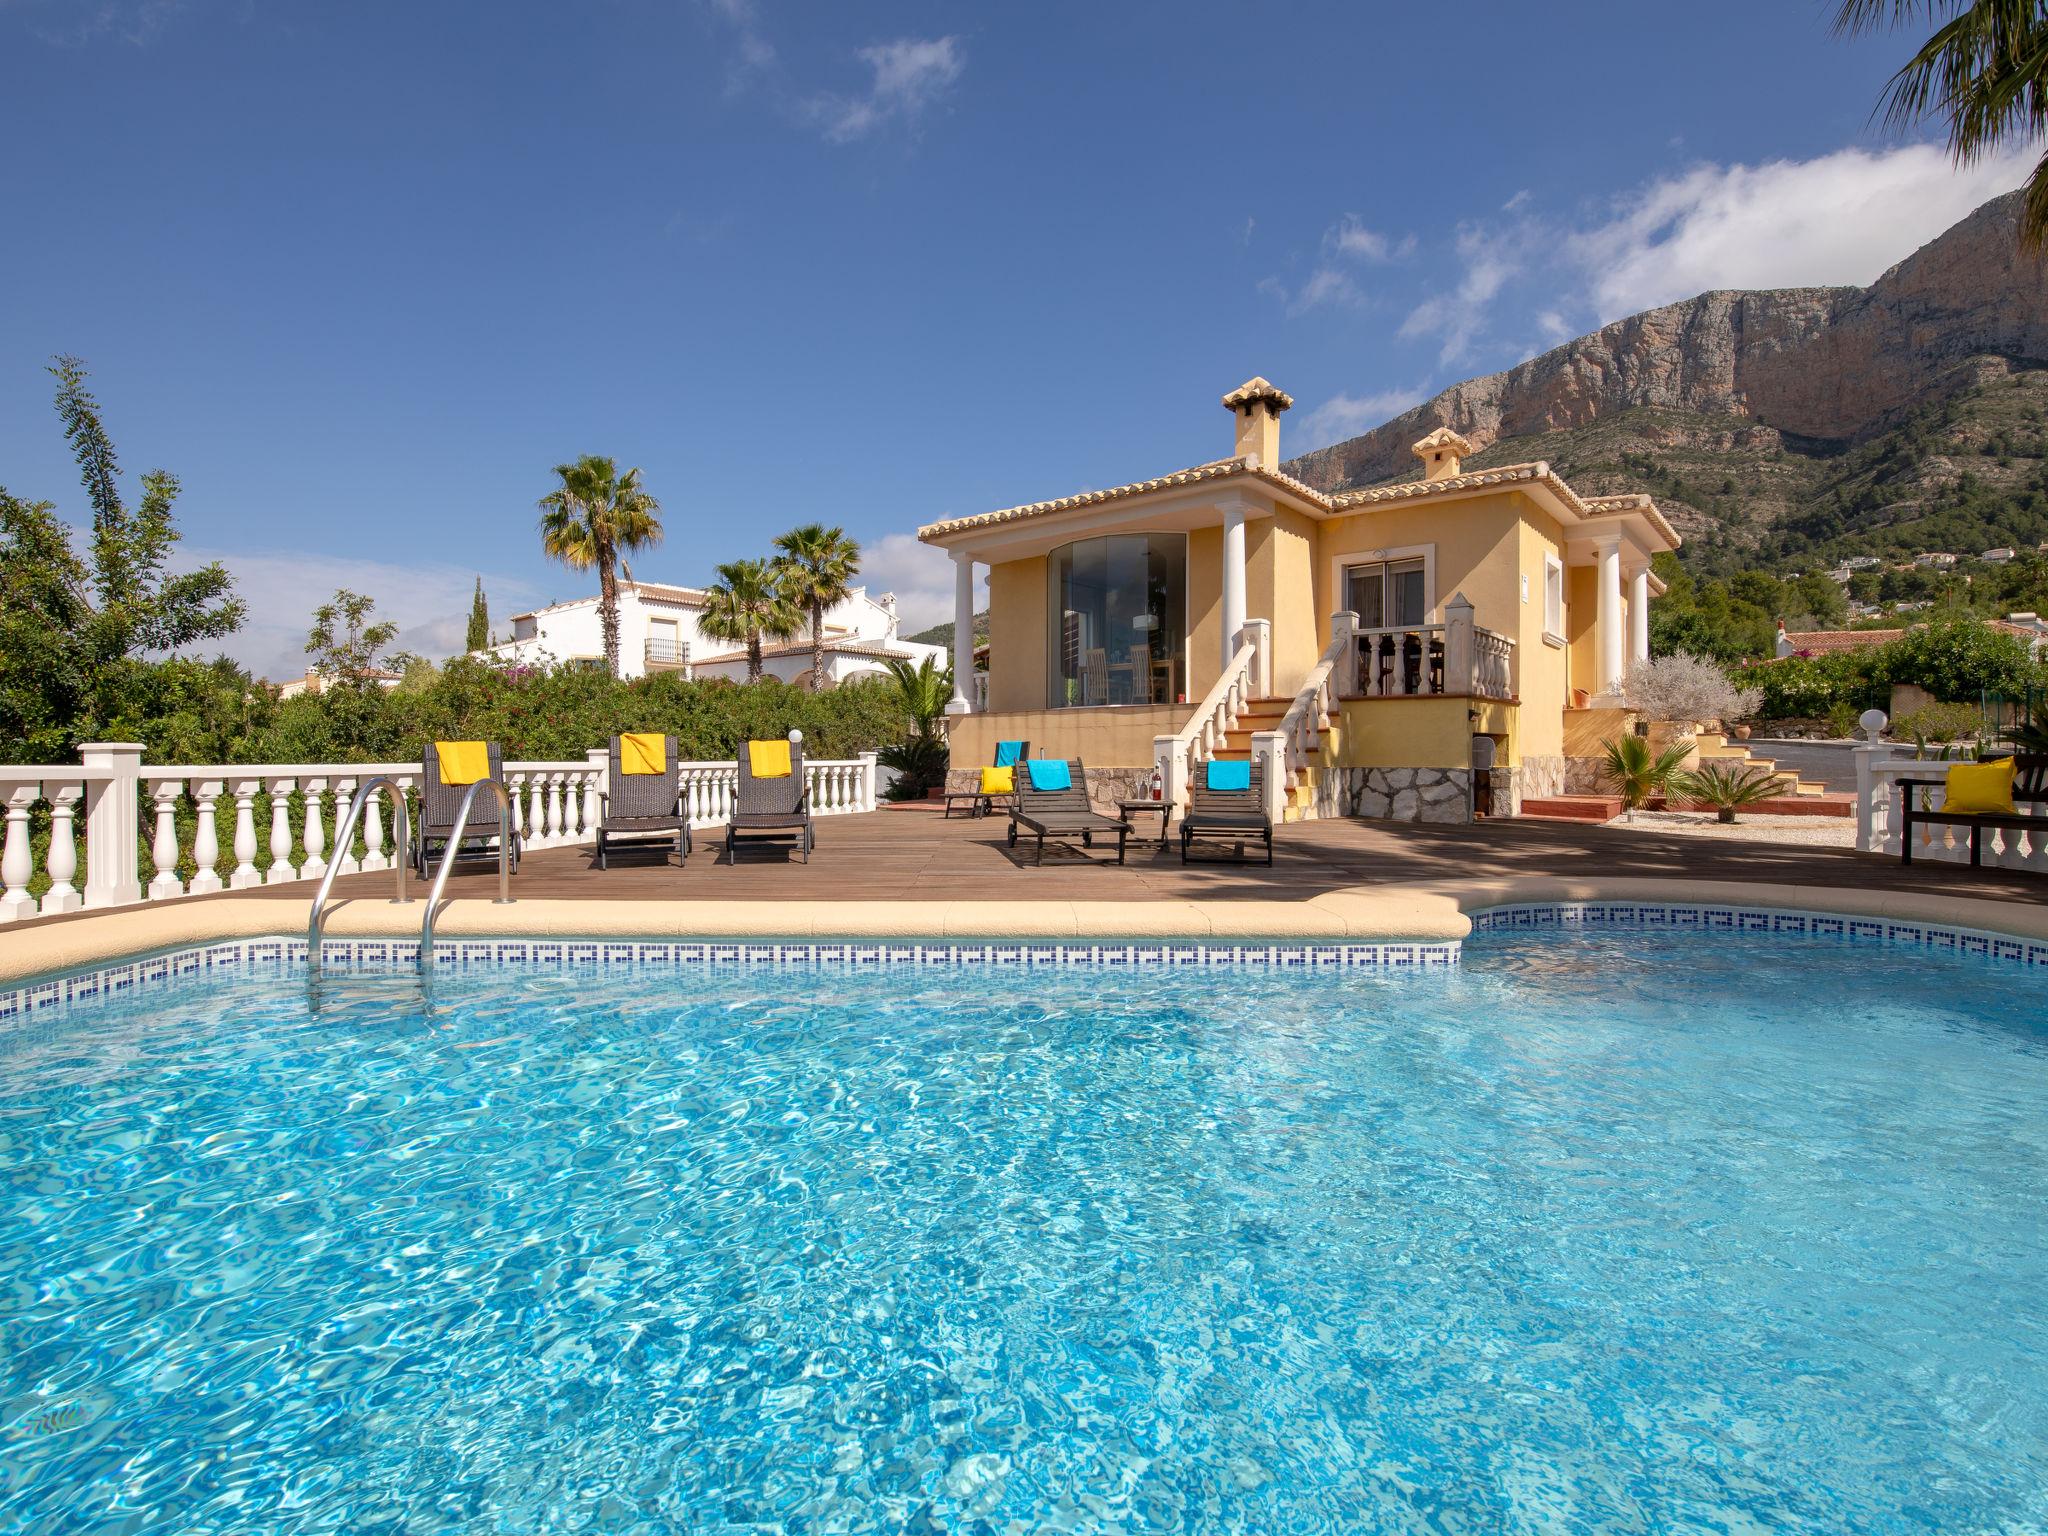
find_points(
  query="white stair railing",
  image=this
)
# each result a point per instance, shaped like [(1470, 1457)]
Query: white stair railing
[(205, 817), (1287, 751), (1244, 677)]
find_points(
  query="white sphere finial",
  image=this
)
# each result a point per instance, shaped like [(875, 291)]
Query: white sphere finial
[(1873, 722), (796, 738)]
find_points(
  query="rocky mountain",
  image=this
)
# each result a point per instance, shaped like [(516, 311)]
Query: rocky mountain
[(1784, 425)]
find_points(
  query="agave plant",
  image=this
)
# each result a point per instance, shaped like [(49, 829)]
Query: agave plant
[(1727, 787), (1636, 773)]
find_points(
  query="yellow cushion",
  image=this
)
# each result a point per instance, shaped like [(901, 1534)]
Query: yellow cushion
[(1977, 788), (463, 762), (768, 759), (642, 752), (998, 781)]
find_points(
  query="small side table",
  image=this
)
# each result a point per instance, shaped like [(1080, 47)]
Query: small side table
[(1127, 809)]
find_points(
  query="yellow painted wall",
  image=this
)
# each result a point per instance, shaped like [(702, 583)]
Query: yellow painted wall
[(1587, 731), (1423, 732), (1477, 549), (1113, 736), (1017, 619), (1280, 582), (1540, 666), (1581, 613), (1205, 610)]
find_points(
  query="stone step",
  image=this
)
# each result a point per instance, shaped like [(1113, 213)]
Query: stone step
[(1593, 808)]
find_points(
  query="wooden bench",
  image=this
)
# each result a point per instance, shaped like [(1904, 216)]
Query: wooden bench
[(2029, 787)]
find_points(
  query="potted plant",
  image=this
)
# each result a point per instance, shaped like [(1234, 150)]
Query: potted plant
[(1727, 787), (1675, 693)]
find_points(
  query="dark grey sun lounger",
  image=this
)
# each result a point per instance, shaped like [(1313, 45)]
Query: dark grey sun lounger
[(641, 809), (1226, 815), (439, 804), (1061, 815), (771, 810)]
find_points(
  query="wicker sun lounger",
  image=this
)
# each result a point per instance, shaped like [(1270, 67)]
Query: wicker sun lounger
[(1061, 815), (771, 810), (1226, 815), (641, 810), (1009, 754), (439, 804)]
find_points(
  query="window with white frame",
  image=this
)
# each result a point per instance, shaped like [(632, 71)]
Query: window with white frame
[(1553, 597), (1387, 594)]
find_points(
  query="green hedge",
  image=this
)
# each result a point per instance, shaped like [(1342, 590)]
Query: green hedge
[(1954, 659)]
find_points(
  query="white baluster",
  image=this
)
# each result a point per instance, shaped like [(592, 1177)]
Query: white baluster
[(63, 894), (537, 809), (516, 784), (558, 828), (316, 831), (344, 860), (17, 863), (206, 841), (374, 856), (281, 871), (163, 852), (246, 873)]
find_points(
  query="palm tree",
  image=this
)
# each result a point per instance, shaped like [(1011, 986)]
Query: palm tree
[(746, 603), (1636, 773), (1985, 70), (919, 759), (591, 519), (816, 564), (1727, 788)]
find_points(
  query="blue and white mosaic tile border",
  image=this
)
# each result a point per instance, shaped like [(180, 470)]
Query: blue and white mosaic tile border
[(1704, 918), (283, 956)]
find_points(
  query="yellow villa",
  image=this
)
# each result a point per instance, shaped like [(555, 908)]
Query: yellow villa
[(1424, 651)]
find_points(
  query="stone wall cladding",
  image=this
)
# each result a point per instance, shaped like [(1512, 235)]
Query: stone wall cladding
[(1585, 776), (1394, 794), (1106, 786), (1534, 778)]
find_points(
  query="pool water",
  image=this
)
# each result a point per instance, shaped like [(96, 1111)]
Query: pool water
[(1626, 1232)]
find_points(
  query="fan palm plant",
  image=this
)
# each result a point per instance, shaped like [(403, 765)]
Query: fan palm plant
[(589, 521), (1727, 787), (745, 605), (1636, 773), (919, 760), (817, 564)]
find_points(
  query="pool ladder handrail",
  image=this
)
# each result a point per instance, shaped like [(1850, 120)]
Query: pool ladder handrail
[(316, 920), (505, 897)]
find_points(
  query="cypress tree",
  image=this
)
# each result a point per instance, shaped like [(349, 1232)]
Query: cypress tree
[(479, 620)]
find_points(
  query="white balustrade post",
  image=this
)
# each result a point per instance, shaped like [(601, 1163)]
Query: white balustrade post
[(163, 851), (1458, 648), (596, 786), (62, 896), (281, 870), (345, 861), (246, 874), (1344, 628), (870, 778), (17, 861), (113, 824), (1172, 766), (1269, 748), (206, 838), (316, 831), (1260, 633)]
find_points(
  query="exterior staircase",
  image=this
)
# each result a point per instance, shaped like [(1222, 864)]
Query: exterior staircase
[(1806, 798), (1593, 809), (1265, 714)]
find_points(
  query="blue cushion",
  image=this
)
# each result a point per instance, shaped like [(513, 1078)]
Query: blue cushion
[(1224, 775), (1007, 753), (1050, 773)]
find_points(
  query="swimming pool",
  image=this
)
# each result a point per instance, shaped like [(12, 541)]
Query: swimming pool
[(1597, 1231)]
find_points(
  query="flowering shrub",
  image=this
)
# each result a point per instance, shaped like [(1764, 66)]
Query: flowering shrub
[(1686, 687)]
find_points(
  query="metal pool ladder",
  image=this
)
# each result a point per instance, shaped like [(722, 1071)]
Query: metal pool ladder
[(505, 897), (317, 919)]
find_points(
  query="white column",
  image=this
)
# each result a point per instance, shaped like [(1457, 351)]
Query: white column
[(962, 702), (113, 824), (62, 895), (1233, 577), (1607, 636), (1639, 617)]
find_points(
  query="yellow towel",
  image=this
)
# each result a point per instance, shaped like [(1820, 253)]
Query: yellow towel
[(1976, 788), (768, 759), (641, 752), (998, 781), (463, 762)]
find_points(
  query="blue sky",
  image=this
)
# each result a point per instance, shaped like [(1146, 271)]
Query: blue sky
[(361, 273)]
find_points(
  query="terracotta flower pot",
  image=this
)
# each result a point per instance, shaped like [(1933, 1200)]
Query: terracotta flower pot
[(1742, 733)]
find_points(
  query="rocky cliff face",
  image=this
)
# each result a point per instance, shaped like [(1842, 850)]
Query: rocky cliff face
[(1831, 365)]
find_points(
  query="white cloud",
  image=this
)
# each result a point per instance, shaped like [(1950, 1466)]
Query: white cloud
[(430, 603), (1838, 219), (1489, 258), (1554, 326), (1349, 237), (1347, 242), (921, 576), (910, 74), (1343, 416)]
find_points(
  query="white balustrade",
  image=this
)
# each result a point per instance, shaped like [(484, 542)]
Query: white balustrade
[(1434, 660), (1208, 729), (554, 804), (1880, 816)]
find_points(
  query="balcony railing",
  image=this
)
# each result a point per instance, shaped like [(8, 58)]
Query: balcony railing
[(200, 823), (1432, 660), (666, 653)]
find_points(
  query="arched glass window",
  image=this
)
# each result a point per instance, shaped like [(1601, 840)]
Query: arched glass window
[(1118, 626)]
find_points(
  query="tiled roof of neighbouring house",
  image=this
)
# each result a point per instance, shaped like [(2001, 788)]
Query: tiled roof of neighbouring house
[(1823, 642)]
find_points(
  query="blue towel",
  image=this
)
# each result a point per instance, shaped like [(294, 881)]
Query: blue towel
[(1229, 775), (1050, 773), (1007, 753)]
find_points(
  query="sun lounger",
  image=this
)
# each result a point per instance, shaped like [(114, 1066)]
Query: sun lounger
[(439, 803), (640, 808), (1052, 803), (980, 800), (770, 809), (1227, 803)]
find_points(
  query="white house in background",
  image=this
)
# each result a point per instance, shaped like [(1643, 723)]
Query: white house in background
[(2002, 555), (315, 681), (659, 631)]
